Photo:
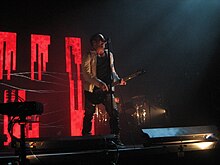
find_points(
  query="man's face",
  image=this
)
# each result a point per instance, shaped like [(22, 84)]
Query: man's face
[(100, 47)]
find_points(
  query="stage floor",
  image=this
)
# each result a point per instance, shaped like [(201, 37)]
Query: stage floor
[(96, 151)]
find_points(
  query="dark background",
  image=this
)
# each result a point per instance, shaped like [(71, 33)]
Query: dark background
[(176, 41)]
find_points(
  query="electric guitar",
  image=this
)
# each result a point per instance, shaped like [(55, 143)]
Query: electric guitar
[(97, 96)]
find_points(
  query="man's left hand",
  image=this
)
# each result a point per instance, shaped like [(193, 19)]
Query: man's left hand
[(123, 82)]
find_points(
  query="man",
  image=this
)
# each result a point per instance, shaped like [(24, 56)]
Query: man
[(99, 73)]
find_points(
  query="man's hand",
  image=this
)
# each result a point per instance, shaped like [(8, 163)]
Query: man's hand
[(103, 86), (123, 82)]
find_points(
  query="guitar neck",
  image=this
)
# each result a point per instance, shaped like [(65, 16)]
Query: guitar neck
[(128, 78)]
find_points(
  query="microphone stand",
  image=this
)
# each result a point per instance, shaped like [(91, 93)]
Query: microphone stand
[(110, 72)]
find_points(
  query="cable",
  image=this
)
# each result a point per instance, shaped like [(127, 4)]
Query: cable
[(115, 159), (35, 156), (11, 124), (34, 91)]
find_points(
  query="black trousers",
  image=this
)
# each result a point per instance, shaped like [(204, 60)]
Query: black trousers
[(110, 107)]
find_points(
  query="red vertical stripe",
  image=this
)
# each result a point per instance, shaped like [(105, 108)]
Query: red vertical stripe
[(39, 53), (1, 59), (7, 57), (76, 111)]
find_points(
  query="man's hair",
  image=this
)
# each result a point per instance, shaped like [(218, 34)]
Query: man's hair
[(96, 38)]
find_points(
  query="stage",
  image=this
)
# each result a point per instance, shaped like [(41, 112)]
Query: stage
[(198, 149)]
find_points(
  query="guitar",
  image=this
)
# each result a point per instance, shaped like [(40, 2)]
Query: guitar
[(97, 96)]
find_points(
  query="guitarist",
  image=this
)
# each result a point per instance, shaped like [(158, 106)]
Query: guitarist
[(98, 73)]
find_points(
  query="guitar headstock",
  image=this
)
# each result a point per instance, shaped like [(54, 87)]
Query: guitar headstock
[(140, 71)]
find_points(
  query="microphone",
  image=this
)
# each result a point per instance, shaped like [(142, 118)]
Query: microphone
[(108, 40)]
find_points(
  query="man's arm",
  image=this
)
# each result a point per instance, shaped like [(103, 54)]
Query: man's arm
[(114, 73), (87, 72)]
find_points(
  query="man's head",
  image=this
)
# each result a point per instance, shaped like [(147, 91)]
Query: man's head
[(98, 42)]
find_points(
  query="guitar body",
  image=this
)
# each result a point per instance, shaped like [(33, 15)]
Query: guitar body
[(98, 96)]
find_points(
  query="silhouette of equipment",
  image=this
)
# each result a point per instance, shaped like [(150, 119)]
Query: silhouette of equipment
[(27, 108), (20, 110)]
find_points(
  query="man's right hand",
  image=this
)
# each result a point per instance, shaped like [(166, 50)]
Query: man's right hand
[(103, 86)]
